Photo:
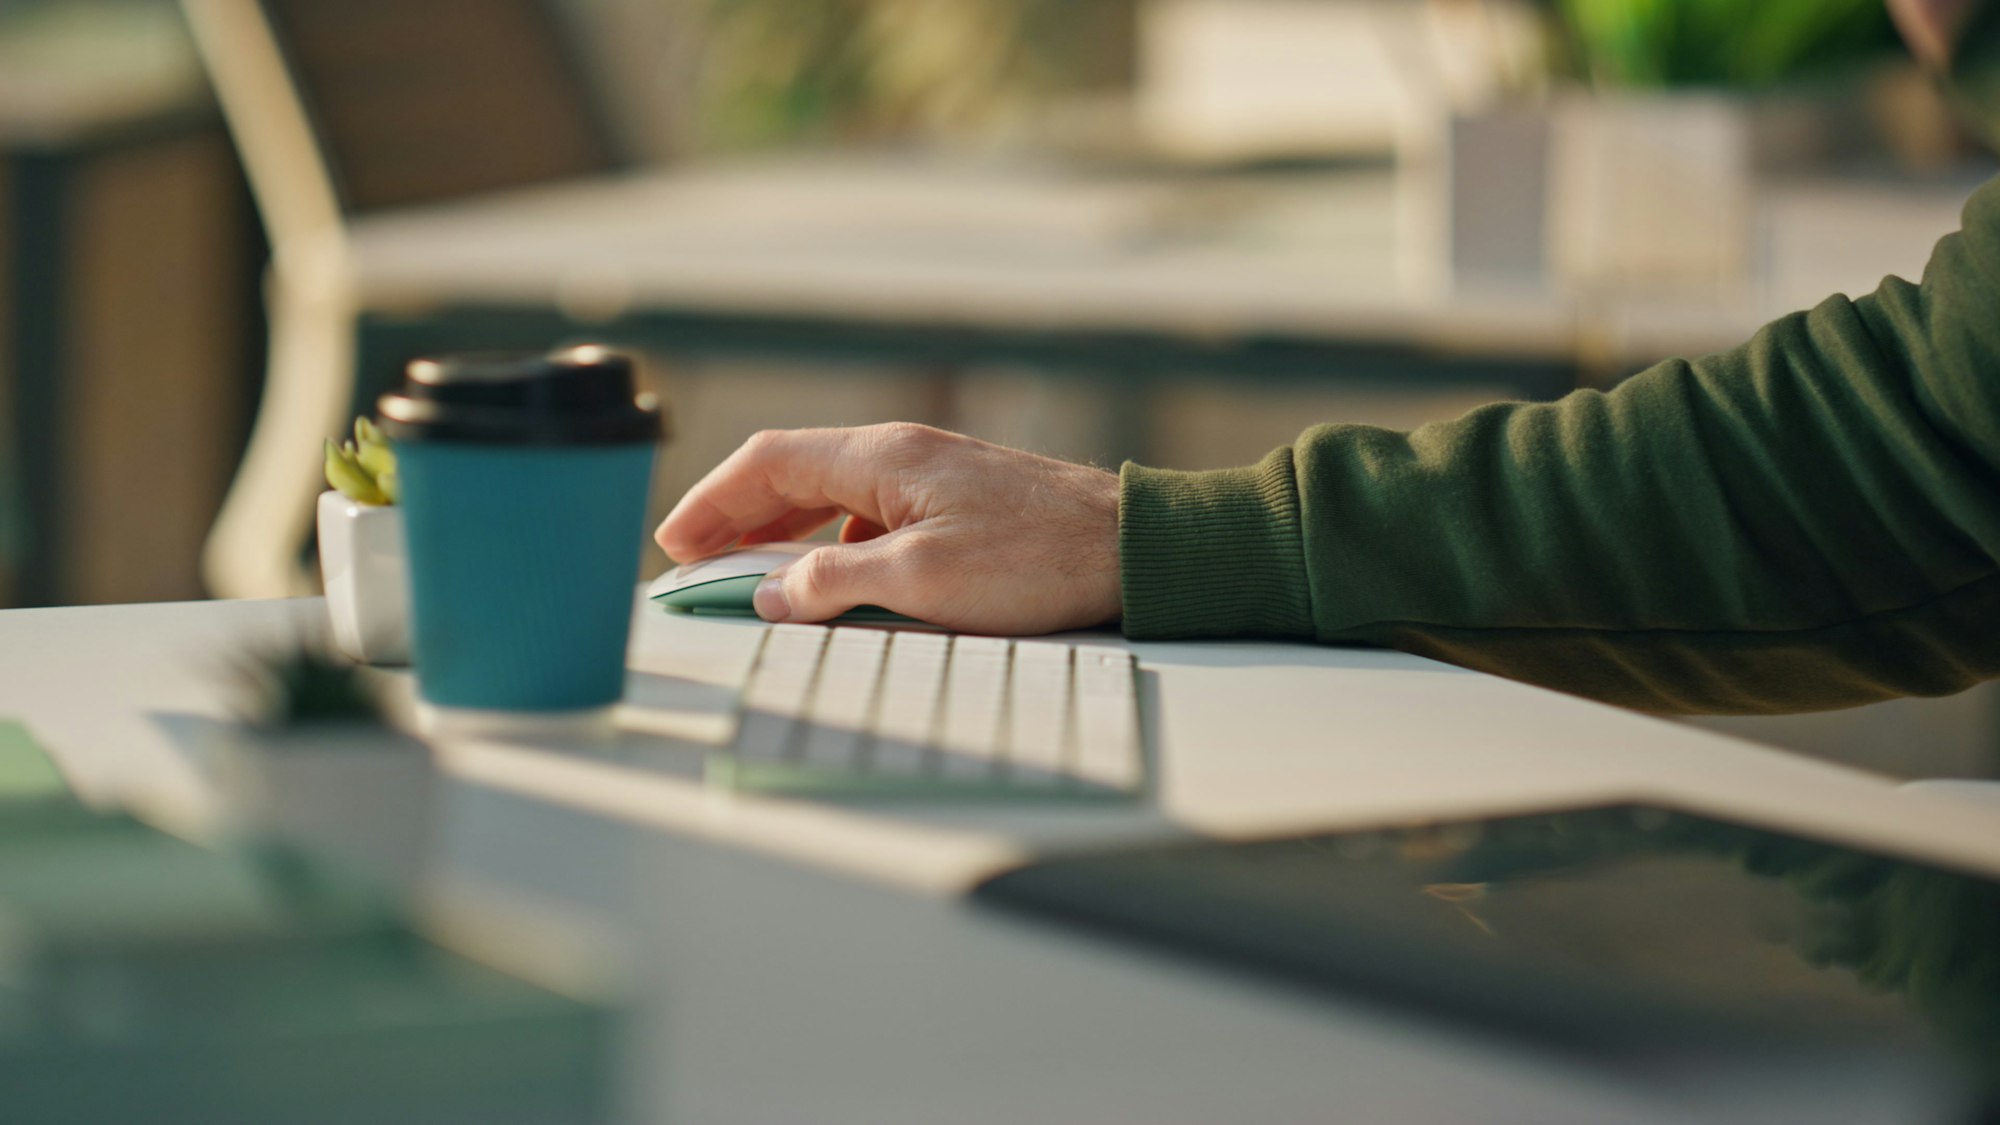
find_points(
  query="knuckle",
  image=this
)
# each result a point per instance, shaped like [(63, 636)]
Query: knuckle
[(910, 437), (762, 442), (815, 575), (925, 561)]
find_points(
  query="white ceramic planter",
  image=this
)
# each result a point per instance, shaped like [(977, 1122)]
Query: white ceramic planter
[(1650, 192), (359, 794), (366, 569)]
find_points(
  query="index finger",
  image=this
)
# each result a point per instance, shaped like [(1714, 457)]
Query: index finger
[(775, 473)]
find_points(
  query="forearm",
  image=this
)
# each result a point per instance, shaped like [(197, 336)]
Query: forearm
[(1808, 521)]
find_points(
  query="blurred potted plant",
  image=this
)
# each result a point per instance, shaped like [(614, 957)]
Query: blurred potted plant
[(1650, 178), (315, 765), (362, 558), (1735, 45)]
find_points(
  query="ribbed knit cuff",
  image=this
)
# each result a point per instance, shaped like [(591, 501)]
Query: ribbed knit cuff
[(1213, 554)]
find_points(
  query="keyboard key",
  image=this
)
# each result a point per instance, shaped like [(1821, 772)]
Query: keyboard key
[(974, 649), (1038, 715), (775, 698), (844, 696), (913, 641), (908, 712), (975, 684), (813, 636), (1107, 747)]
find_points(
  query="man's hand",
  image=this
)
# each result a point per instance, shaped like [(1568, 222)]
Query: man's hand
[(940, 527)]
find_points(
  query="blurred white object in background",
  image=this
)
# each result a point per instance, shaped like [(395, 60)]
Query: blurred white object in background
[(1256, 79), (1242, 79), (1649, 191), (1484, 50)]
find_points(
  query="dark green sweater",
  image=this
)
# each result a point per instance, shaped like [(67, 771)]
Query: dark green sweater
[(1809, 521)]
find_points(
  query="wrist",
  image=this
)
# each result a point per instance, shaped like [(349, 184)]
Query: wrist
[(1212, 554), (1108, 602)]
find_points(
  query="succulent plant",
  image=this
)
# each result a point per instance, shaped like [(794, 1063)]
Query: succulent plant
[(364, 468), (304, 682)]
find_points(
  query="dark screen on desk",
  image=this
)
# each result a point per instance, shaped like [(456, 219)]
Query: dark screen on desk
[(1597, 929)]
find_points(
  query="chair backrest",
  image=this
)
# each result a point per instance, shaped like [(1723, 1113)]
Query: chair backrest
[(415, 101), (366, 105)]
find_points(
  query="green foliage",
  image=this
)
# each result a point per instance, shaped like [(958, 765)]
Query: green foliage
[(364, 468), (1743, 44), (304, 683)]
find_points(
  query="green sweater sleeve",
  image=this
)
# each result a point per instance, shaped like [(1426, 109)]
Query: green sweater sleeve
[(1809, 521)]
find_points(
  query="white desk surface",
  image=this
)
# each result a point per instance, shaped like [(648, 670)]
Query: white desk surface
[(794, 961)]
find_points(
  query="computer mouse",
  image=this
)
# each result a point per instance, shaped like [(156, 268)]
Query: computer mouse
[(726, 582), (723, 583)]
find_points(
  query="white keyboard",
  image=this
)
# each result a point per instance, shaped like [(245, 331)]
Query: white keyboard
[(872, 711)]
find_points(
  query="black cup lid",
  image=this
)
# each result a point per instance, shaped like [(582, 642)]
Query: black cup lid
[(579, 396)]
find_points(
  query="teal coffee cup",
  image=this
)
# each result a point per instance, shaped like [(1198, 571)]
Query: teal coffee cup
[(523, 485)]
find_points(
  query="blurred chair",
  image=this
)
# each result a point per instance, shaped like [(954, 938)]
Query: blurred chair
[(346, 112)]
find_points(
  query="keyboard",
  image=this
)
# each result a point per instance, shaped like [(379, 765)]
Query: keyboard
[(878, 712)]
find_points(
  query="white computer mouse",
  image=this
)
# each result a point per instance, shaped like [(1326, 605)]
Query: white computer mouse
[(723, 583), (726, 582)]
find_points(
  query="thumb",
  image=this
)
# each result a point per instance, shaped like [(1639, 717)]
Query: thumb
[(831, 580)]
